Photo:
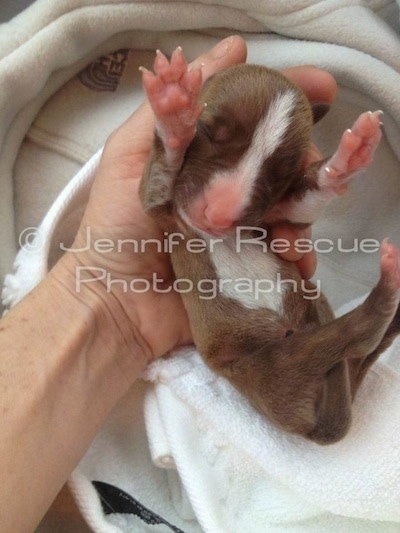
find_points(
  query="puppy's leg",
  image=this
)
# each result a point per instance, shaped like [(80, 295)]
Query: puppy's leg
[(329, 179), (355, 152), (333, 409), (358, 368), (306, 382), (173, 92)]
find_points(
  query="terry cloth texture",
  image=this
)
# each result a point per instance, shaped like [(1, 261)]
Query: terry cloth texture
[(183, 443)]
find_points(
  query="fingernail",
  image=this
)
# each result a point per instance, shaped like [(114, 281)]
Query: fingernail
[(222, 48)]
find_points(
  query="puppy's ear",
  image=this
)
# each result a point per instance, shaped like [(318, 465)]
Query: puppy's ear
[(319, 110)]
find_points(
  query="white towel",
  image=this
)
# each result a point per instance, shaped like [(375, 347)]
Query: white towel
[(184, 443), (243, 474)]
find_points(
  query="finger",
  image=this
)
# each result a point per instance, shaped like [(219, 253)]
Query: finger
[(318, 84), (230, 51), (306, 262), (289, 235), (307, 265)]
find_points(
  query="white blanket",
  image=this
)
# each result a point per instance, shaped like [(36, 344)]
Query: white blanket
[(184, 443)]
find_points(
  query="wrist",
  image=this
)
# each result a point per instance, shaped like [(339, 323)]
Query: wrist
[(110, 331)]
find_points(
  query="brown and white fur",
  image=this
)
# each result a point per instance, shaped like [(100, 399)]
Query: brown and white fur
[(238, 161)]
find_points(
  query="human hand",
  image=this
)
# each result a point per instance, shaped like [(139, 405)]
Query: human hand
[(114, 214)]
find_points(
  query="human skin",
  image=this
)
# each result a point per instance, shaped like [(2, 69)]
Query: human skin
[(68, 356)]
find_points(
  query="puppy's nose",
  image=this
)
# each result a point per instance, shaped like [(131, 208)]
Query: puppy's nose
[(217, 219)]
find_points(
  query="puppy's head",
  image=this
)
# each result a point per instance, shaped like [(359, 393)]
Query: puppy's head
[(250, 143)]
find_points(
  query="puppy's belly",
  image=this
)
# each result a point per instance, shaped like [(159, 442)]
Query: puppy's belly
[(248, 274)]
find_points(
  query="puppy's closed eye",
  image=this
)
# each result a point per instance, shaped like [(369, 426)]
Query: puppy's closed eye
[(216, 133)]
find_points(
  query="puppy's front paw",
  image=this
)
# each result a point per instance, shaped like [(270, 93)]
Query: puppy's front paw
[(173, 92), (355, 152)]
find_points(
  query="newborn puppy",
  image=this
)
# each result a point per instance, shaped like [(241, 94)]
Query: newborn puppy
[(227, 161)]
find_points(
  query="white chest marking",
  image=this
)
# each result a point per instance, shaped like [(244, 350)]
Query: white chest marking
[(251, 276), (309, 208)]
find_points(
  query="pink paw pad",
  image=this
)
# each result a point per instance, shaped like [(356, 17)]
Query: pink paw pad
[(173, 92), (390, 264), (355, 152)]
